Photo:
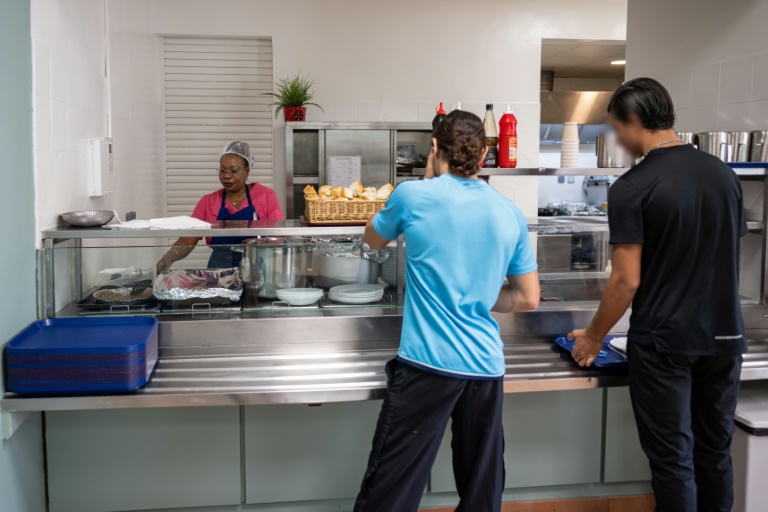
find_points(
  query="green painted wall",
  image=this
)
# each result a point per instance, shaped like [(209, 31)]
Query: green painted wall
[(22, 484)]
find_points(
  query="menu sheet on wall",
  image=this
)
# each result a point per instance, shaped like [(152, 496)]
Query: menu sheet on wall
[(343, 170)]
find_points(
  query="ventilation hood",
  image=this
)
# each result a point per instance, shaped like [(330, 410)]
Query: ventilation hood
[(587, 108)]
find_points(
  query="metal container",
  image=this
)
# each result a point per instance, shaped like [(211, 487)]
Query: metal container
[(345, 261), (758, 149), (739, 143), (687, 137), (270, 264), (609, 153), (88, 218), (715, 143)]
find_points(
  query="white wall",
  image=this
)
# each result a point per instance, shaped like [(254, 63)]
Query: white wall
[(22, 478), (586, 84), (711, 55), (395, 60), (71, 99)]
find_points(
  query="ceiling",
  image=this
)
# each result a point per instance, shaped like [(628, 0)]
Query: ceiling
[(583, 59)]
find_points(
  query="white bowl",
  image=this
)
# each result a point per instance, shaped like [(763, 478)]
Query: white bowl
[(300, 296)]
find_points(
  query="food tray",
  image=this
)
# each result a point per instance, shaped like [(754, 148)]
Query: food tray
[(91, 303), (82, 355), (612, 359), (341, 213)]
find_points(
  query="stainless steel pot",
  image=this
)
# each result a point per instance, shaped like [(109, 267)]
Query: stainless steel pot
[(609, 153), (344, 261), (758, 150), (687, 137), (270, 264), (715, 143), (739, 143)]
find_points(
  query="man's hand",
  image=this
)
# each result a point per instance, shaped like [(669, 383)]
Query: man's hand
[(586, 349)]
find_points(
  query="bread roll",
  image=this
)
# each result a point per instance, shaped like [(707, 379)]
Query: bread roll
[(368, 196), (310, 192), (356, 188), (325, 190), (349, 193), (325, 198), (385, 191), (372, 190), (337, 192), (356, 198), (341, 199)]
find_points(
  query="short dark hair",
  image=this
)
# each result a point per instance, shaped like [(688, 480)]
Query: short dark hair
[(461, 141), (648, 100)]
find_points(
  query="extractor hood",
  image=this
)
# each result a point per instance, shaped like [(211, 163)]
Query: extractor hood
[(587, 108)]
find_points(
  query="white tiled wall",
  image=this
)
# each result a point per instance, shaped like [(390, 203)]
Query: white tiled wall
[(71, 104), (714, 61)]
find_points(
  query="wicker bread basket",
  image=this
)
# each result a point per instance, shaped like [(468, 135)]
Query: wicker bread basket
[(319, 212)]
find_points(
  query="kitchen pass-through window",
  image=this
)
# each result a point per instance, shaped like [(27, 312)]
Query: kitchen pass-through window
[(213, 94)]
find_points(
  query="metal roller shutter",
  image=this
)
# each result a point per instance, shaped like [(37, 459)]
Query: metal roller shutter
[(213, 94)]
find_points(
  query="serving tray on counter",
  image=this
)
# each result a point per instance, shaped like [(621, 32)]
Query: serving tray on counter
[(613, 358)]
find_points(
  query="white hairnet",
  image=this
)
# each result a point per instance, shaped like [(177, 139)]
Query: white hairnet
[(238, 148)]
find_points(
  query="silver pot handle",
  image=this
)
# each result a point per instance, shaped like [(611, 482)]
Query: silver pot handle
[(725, 151)]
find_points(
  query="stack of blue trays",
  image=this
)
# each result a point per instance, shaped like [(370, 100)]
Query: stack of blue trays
[(82, 355)]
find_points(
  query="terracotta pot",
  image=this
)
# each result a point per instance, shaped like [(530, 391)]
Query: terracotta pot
[(295, 114)]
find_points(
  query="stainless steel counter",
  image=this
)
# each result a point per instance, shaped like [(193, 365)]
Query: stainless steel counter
[(316, 357)]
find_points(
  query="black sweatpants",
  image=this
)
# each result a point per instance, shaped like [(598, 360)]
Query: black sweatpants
[(684, 408), (411, 425)]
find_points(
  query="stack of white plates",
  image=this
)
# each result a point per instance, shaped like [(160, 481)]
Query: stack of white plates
[(388, 269), (300, 296), (356, 293)]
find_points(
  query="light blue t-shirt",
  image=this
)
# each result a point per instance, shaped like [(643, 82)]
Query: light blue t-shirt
[(462, 238)]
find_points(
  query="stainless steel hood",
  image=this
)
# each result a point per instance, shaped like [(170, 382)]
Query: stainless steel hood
[(587, 108)]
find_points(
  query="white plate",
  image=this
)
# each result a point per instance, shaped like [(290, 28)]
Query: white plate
[(356, 289), (300, 296), (357, 301)]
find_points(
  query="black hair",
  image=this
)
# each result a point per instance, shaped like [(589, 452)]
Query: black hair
[(461, 141), (648, 100)]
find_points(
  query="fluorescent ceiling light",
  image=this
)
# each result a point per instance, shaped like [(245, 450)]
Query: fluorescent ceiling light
[(618, 62)]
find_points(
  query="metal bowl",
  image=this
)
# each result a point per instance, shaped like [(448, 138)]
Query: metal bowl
[(88, 218)]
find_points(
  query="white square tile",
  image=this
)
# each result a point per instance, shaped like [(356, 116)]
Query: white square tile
[(42, 127), (428, 111), (679, 86), (759, 114), (400, 112), (734, 117), (344, 112), (58, 77), (736, 81), (73, 87), (702, 119), (760, 77), (476, 108), (683, 120), (527, 114), (42, 69), (74, 128), (58, 126), (705, 84), (315, 115), (368, 111)]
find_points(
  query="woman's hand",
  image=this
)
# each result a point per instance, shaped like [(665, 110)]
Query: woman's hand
[(165, 263)]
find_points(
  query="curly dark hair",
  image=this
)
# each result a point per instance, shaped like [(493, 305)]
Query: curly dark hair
[(461, 141)]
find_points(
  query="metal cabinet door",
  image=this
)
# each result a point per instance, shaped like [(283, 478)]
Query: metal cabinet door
[(624, 459)]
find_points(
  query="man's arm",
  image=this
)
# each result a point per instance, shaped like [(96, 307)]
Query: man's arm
[(372, 238), (617, 297), (522, 293)]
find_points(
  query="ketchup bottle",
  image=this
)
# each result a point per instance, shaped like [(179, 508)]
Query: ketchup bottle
[(440, 115), (508, 140)]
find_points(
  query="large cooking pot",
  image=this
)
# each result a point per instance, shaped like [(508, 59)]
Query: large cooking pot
[(270, 264), (739, 143), (758, 151), (609, 153), (345, 260), (715, 143)]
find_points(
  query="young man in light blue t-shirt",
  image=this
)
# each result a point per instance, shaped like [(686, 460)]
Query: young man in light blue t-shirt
[(462, 240)]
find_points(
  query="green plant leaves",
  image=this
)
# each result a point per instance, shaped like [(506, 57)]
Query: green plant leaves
[(294, 91)]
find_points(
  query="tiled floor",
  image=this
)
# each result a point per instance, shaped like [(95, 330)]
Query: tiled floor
[(607, 504)]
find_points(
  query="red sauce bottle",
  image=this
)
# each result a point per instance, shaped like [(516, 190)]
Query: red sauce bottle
[(508, 140)]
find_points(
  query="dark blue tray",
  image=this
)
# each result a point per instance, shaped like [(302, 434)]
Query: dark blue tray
[(612, 359), (53, 345), (748, 165)]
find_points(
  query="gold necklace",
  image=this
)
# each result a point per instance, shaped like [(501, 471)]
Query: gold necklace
[(236, 200)]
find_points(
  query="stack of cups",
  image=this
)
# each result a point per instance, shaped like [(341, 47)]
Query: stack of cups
[(569, 149)]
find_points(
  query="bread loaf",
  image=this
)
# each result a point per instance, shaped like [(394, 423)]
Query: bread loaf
[(385, 191), (325, 190)]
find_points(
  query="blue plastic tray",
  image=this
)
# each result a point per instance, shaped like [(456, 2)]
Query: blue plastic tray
[(82, 355), (612, 359)]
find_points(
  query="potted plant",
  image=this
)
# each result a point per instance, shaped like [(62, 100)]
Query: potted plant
[(293, 94)]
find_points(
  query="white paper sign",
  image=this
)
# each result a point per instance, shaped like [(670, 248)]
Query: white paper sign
[(343, 170)]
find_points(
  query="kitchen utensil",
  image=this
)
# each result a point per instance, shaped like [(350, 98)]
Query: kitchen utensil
[(140, 286), (274, 263), (715, 143), (300, 296), (739, 142), (609, 153), (87, 218), (758, 150), (343, 260)]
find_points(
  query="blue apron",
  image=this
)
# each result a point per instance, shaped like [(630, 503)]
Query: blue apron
[(225, 257)]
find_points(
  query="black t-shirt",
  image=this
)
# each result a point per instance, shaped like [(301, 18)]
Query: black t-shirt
[(686, 209)]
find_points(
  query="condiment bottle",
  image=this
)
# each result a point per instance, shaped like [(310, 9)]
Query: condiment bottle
[(438, 118), (508, 140), (491, 138)]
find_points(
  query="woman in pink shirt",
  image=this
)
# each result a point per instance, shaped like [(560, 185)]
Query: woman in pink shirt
[(236, 200)]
